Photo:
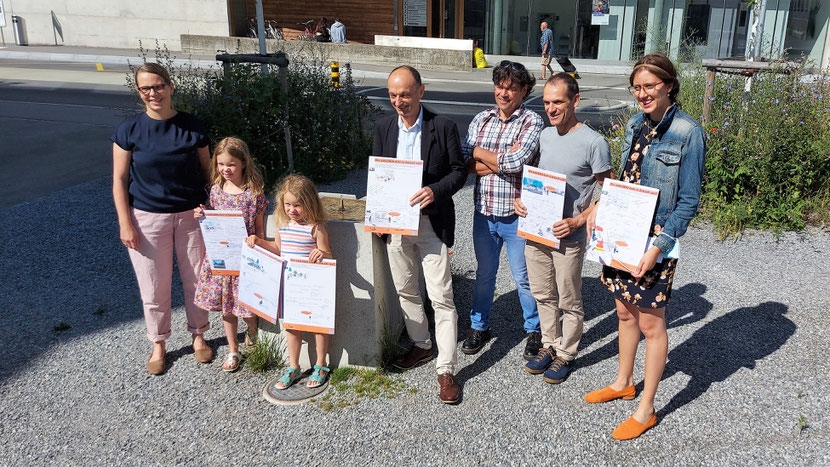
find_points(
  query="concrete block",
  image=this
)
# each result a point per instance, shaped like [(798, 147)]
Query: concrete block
[(424, 42), (423, 58), (367, 305)]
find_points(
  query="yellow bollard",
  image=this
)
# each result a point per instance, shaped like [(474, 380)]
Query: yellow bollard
[(99, 66), (335, 74)]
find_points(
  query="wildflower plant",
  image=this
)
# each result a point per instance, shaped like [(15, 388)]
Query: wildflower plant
[(768, 152)]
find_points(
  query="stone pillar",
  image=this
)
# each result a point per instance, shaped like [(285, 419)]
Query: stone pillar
[(367, 304)]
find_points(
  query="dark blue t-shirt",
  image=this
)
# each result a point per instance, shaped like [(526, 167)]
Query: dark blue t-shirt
[(165, 172)]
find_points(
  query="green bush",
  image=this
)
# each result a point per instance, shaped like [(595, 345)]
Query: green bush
[(768, 155), (326, 123)]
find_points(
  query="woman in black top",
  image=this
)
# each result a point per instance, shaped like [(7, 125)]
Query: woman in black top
[(160, 168)]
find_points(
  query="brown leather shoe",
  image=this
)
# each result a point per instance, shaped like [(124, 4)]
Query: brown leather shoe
[(450, 391), (415, 356), (156, 367)]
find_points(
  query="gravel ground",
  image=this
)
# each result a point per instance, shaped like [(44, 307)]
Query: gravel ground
[(747, 326)]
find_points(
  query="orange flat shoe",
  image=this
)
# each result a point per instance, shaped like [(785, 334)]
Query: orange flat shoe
[(631, 428), (607, 394)]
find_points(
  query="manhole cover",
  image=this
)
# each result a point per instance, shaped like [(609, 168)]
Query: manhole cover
[(297, 393)]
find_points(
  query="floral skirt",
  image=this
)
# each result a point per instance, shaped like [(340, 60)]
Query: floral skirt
[(219, 293), (653, 290)]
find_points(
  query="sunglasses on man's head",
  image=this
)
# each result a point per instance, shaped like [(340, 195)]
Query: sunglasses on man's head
[(514, 65)]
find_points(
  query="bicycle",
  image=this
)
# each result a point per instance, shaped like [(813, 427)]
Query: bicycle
[(308, 32), (271, 29)]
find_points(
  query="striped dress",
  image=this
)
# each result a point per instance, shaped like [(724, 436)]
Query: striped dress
[(296, 240)]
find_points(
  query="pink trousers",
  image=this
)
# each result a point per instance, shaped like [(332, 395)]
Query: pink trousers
[(159, 236)]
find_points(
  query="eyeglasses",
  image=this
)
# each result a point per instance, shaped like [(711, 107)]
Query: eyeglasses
[(648, 88), (156, 87), (514, 65)]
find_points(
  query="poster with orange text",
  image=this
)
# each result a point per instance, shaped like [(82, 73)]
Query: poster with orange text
[(389, 186), (309, 295), (623, 224)]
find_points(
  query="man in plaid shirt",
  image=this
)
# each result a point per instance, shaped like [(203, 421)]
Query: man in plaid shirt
[(499, 142)]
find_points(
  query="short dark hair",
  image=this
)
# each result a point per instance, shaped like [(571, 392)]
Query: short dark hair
[(571, 86), (415, 75), (514, 73)]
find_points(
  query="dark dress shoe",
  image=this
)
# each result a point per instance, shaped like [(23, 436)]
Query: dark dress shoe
[(534, 343), (475, 341), (415, 356), (450, 392)]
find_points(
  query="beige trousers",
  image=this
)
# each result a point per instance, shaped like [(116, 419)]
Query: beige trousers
[(406, 254), (555, 276)]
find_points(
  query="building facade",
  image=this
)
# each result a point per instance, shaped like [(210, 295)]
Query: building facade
[(614, 30)]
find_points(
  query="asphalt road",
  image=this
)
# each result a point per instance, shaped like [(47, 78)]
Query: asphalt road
[(56, 117)]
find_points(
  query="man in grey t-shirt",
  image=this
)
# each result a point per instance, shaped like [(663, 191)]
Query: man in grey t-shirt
[(555, 274)]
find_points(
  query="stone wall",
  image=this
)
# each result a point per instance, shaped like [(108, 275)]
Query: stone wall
[(118, 23), (429, 59)]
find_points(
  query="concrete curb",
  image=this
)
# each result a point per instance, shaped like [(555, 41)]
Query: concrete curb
[(583, 66), (89, 58)]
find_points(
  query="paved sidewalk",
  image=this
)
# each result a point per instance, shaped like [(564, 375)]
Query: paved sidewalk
[(121, 57)]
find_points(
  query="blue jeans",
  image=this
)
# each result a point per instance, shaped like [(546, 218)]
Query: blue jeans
[(489, 234)]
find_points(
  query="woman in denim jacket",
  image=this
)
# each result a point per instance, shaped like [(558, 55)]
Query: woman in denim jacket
[(664, 148)]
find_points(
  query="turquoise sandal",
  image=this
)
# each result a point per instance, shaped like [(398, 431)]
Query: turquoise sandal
[(318, 376), (289, 377)]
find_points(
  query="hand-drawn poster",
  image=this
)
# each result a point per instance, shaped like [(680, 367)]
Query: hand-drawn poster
[(623, 224), (309, 295), (543, 194), (260, 282), (390, 185), (224, 233)]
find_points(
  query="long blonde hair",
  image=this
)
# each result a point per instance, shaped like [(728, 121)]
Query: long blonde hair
[(236, 148), (306, 193)]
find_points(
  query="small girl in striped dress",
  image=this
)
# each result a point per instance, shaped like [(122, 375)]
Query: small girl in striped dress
[(301, 233)]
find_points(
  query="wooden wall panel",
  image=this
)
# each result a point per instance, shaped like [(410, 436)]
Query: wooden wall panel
[(363, 19)]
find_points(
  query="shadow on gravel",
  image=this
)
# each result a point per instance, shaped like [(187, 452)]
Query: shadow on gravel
[(687, 306), (72, 279), (506, 328), (723, 346)]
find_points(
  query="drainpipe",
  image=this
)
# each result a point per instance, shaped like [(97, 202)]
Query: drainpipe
[(497, 19)]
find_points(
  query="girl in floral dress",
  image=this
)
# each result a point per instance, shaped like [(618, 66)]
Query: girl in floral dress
[(237, 186)]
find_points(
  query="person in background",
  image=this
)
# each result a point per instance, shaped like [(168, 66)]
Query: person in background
[(338, 32), (546, 42), (321, 31)]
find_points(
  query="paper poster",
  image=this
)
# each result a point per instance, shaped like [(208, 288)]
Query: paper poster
[(599, 13), (224, 233), (543, 194), (391, 183), (260, 282), (623, 224), (309, 295)]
